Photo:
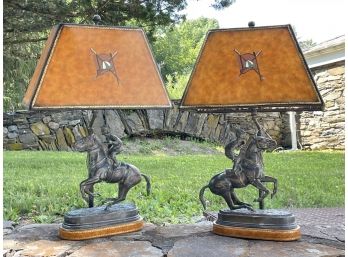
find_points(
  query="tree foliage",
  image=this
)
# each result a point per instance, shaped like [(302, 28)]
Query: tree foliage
[(221, 4), (177, 47), (24, 19), (306, 44), (176, 50), (177, 87)]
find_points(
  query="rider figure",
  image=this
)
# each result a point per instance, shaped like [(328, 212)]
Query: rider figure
[(242, 144), (114, 145), (238, 143)]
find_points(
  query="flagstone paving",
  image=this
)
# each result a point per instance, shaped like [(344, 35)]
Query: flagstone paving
[(322, 235)]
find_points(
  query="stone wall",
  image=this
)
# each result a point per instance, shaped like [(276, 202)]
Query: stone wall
[(42, 130), (57, 130), (320, 130)]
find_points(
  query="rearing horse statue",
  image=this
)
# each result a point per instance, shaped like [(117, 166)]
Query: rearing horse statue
[(248, 169), (103, 167)]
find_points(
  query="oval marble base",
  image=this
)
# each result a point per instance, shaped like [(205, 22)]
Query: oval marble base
[(275, 225)]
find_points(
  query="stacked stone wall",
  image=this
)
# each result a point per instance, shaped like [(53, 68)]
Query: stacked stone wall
[(325, 130), (58, 130), (42, 130)]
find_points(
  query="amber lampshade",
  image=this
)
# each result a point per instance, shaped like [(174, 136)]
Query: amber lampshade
[(245, 69), (96, 67)]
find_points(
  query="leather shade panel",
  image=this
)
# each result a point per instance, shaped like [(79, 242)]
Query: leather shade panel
[(91, 67), (274, 72)]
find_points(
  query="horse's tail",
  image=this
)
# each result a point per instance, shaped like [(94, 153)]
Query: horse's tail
[(201, 197), (148, 184)]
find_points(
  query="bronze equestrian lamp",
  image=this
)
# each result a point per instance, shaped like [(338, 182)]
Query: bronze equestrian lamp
[(93, 67), (250, 70)]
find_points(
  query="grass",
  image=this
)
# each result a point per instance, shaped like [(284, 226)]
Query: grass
[(43, 186)]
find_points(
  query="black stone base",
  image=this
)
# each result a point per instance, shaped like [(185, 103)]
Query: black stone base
[(88, 223), (97, 217), (261, 219), (261, 224)]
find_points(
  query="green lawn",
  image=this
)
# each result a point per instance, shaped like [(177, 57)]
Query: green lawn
[(45, 185)]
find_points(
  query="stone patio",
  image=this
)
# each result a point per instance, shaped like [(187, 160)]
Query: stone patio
[(322, 235)]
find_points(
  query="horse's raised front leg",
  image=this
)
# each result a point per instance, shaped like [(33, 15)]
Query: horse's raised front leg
[(257, 183), (274, 181)]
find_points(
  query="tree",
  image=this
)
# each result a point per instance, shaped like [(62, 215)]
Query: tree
[(23, 18), (304, 44), (177, 47), (221, 4), (176, 50)]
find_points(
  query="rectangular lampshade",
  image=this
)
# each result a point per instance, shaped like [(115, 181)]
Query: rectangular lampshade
[(259, 68), (96, 67)]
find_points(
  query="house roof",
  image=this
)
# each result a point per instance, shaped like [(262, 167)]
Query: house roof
[(329, 51)]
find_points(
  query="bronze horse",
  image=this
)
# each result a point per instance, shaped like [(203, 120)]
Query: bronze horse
[(247, 169), (103, 167)]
